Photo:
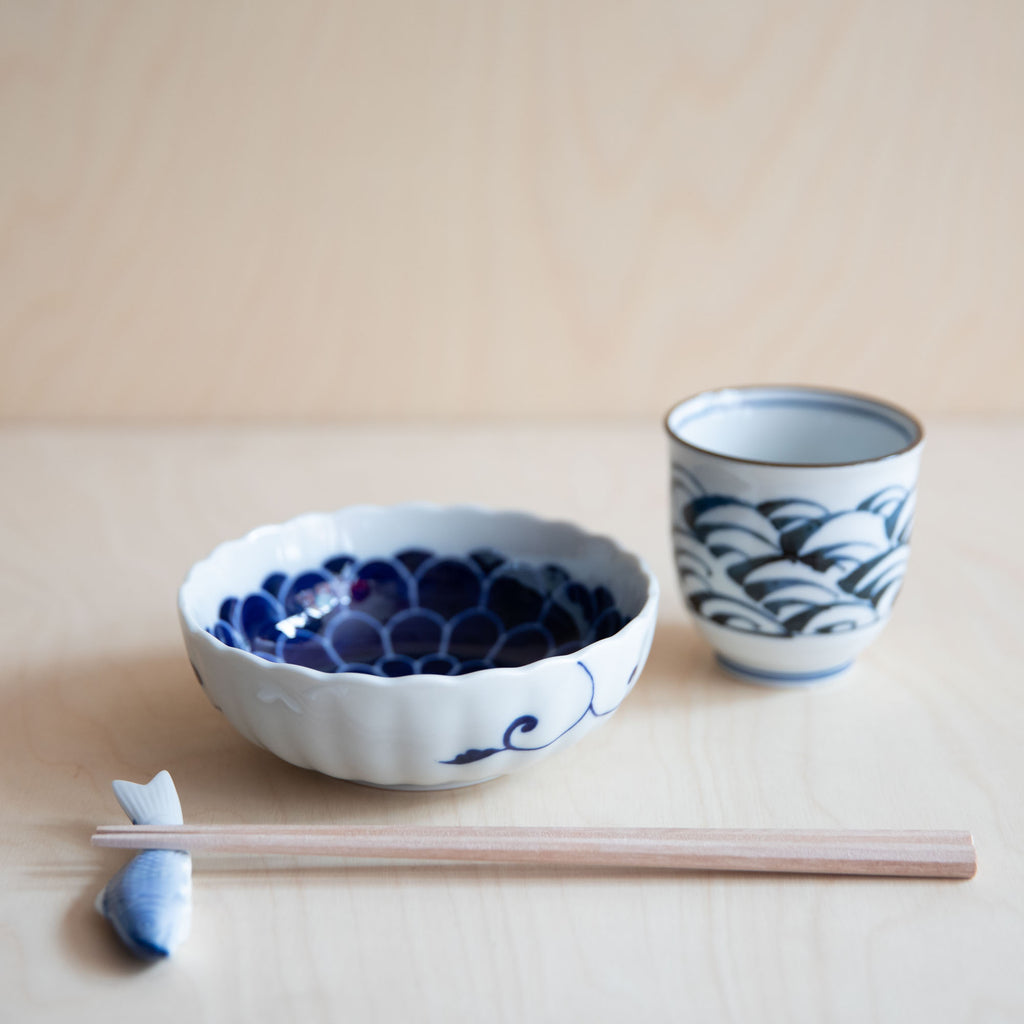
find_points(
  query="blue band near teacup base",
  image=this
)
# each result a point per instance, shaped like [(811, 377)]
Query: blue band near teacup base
[(781, 678)]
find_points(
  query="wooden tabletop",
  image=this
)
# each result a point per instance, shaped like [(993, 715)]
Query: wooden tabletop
[(97, 529)]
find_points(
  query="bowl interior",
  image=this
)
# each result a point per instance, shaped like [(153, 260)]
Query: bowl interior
[(445, 593), (793, 426)]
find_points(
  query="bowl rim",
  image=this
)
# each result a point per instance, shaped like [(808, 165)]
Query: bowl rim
[(917, 427), (294, 672)]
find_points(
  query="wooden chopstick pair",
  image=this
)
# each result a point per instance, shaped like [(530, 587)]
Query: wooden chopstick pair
[(894, 853)]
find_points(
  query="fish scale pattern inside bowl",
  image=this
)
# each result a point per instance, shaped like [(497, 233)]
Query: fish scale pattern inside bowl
[(418, 646), (417, 612)]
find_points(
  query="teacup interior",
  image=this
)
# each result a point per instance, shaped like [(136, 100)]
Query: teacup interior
[(793, 426)]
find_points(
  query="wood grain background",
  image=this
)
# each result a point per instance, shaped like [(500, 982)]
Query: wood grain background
[(449, 209)]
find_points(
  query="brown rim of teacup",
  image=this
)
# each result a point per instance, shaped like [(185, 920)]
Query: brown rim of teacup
[(810, 388)]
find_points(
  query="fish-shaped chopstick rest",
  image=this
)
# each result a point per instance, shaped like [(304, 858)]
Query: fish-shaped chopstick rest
[(149, 901)]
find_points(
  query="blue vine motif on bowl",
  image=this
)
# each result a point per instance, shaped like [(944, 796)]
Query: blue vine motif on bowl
[(527, 723), (418, 612), (790, 566)]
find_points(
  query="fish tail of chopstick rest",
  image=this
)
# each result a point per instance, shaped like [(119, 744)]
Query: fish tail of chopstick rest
[(149, 901)]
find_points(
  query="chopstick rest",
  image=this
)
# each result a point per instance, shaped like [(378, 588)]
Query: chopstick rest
[(894, 853), (149, 901)]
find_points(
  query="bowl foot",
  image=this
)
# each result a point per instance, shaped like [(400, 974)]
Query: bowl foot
[(765, 677)]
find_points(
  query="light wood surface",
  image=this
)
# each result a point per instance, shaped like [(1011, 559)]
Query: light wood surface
[(447, 208), (97, 529)]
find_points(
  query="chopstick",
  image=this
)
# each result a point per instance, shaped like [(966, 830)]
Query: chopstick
[(893, 853)]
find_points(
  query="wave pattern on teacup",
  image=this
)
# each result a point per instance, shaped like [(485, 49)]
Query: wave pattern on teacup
[(790, 567), (417, 612)]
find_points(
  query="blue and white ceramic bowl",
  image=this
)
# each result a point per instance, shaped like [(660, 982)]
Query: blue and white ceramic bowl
[(417, 646), (791, 513)]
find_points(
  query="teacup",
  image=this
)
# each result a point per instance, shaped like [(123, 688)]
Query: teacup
[(792, 510)]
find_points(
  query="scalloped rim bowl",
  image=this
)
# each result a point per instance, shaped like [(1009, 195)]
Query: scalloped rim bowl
[(419, 731)]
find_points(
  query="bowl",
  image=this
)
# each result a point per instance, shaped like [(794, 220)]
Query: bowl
[(417, 646)]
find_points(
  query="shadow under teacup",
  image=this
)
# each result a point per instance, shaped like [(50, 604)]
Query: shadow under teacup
[(791, 517)]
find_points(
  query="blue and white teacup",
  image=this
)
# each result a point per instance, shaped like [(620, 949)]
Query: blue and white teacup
[(791, 517)]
